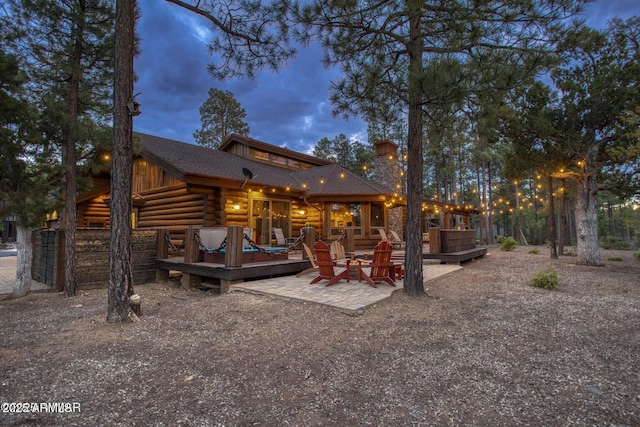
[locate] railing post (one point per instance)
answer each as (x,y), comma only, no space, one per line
(233,249)
(162,252)
(191,254)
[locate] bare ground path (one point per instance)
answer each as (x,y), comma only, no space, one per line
(485,349)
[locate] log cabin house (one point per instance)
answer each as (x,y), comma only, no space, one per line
(248,183)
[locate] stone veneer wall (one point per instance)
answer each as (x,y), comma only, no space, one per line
(387,172)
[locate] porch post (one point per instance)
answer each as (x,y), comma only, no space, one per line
(350,241)
(447,220)
(309,239)
(434,240)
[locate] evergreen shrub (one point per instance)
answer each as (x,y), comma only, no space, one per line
(545,279)
(508,244)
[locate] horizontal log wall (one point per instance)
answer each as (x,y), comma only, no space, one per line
(174,209)
(300,214)
(236,207)
(214,214)
(94,212)
(92,257)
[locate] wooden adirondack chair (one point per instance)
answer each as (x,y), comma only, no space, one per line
(397,239)
(383,235)
(279,235)
(314,266)
(381,268)
(327,266)
(337,251)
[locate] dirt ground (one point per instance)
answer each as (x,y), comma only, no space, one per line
(485,349)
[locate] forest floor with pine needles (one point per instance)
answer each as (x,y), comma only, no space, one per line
(484,348)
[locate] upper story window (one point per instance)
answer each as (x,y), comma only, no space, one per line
(261,155)
(280,160)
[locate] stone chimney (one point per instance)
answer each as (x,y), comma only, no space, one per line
(387,171)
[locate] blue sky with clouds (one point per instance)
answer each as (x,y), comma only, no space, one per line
(290,108)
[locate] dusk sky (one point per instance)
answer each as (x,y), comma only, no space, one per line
(290,108)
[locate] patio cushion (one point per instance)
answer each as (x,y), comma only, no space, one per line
(212,238)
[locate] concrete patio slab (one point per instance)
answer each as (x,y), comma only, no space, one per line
(8,277)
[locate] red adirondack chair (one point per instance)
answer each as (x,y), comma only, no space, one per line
(381,268)
(326,266)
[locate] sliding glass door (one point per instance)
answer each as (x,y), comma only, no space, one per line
(267,215)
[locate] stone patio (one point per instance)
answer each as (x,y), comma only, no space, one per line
(350,297)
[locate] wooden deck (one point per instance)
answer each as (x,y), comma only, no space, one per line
(194,272)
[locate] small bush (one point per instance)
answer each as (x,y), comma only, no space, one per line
(534,251)
(508,244)
(500,239)
(545,279)
(636,255)
(618,243)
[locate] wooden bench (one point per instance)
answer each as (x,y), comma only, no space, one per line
(453,246)
(458,257)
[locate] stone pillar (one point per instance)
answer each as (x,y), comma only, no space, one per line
(387,171)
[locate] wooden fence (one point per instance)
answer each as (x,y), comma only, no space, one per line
(92,256)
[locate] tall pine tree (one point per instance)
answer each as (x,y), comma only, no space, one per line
(221,115)
(405,49)
(68,46)
(27,173)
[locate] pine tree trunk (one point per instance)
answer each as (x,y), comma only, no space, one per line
(489,216)
(120,270)
(413,279)
(23,262)
(552,221)
(563,219)
(587,246)
(69,159)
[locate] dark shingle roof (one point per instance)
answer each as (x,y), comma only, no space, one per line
(335,180)
(183,160)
